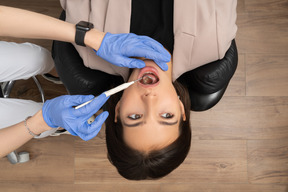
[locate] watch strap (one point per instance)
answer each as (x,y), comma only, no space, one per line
(79,37)
(81,28)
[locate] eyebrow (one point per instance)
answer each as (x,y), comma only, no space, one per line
(160,122)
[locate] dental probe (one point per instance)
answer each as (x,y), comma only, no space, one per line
(111,92)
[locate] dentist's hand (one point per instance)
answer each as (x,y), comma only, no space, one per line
(118,48)
(60,112)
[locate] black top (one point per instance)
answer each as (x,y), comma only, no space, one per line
(154,18)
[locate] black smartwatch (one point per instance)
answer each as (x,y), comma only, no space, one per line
(81,28)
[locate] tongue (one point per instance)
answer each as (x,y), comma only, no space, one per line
(149,79)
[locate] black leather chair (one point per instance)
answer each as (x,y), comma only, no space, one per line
(206,84)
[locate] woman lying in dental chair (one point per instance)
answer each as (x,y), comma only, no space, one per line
(147,132)
(20,61)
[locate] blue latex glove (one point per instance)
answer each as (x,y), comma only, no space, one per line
(59,112)
(117,48)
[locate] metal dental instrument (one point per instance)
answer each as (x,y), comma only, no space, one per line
(111,91)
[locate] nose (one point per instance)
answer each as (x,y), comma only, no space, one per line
(149,94)
(150,100)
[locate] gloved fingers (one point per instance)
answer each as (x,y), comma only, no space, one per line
(155,44)
(162,53)
(92,107)
(140,50)
(149,53)
(132,62)
(71,132)
(100,119)
(152,55)
(118,60)
(87,132)
(123,46)
(74,100)
(87,136)
(96,104)
(162,65)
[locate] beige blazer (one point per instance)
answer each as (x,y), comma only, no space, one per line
(203,30)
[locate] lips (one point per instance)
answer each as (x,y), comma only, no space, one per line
(149,76)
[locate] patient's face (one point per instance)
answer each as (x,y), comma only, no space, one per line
(150,110)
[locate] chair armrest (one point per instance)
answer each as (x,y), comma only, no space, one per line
(77,78)
(207,84)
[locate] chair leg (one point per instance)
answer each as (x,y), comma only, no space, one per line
(13,157)
(39,88)
(9,85)
(1,92)
(7,88)
(21,157)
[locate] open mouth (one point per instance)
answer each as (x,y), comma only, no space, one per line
(149,78)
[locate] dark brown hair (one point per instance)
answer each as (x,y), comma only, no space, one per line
(137,165)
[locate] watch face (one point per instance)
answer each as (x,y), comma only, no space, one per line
(85,26)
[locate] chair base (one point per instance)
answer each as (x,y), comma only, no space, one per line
(21,157)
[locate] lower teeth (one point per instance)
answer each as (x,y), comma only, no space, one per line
(147,80)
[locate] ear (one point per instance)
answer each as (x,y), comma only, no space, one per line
(182,110)
(117,111)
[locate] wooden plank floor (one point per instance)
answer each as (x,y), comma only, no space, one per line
(240,145)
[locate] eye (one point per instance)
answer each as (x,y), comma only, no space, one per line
(135,116)
(167,115)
